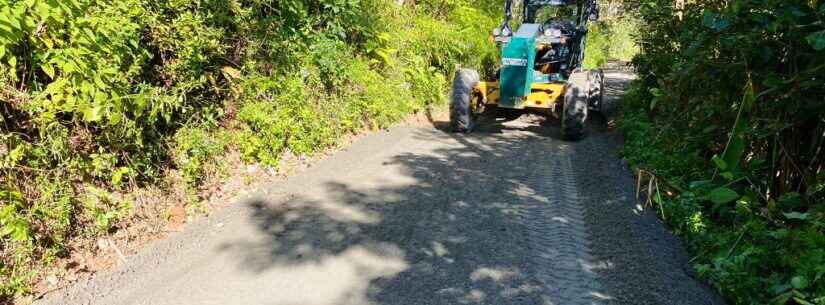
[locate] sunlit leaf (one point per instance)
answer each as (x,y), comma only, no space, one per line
(70,103)
(230,72)
(99,82)
(20,231)
(86,87)
(93,114)
(48,69)
(17,229)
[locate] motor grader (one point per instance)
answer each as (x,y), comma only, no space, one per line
(540,69)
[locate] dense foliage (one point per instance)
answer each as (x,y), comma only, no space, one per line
(728,113)
(101,97)
(611,38)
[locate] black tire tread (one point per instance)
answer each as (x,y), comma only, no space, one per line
(461,116)
(595,88)
(574,113)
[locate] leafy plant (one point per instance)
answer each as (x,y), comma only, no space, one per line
(101,98)
(727,110)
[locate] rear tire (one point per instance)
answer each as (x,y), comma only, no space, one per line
(574,113)
(462,118)
(595,87)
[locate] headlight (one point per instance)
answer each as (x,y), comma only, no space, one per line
(506,32)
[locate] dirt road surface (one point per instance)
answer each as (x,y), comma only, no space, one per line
(509,214)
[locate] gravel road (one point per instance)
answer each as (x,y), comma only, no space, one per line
(509,214)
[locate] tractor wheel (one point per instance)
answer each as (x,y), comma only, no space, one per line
(595,86)
(574,112)
(462,117)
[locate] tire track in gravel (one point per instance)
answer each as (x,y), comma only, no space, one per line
(636,258)
(556,225)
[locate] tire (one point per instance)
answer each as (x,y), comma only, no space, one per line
(462,117)
(595,89)
(574,113)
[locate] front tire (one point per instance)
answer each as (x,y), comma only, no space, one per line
(574,113)
(462,117)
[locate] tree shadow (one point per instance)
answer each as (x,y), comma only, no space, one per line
(445,220)
(447,228)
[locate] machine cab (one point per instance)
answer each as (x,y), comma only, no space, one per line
(547,47)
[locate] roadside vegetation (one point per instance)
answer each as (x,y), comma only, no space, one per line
(726,125)
(100,99)
(611,38)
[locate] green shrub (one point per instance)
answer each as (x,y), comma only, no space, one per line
(728,110)
(103,209)
(195,149)
(98,98)
(598,46)
(611,39)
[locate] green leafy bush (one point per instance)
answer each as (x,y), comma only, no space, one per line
(728,109)
(195,149)
(100,98)
(613,37)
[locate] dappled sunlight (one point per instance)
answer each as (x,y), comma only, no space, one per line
(348,213)
(333,279)
(497,275)
(448,224)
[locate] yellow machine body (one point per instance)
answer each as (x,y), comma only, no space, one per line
(542,95)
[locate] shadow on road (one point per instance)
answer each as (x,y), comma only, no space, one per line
(441,225)
(451,232)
